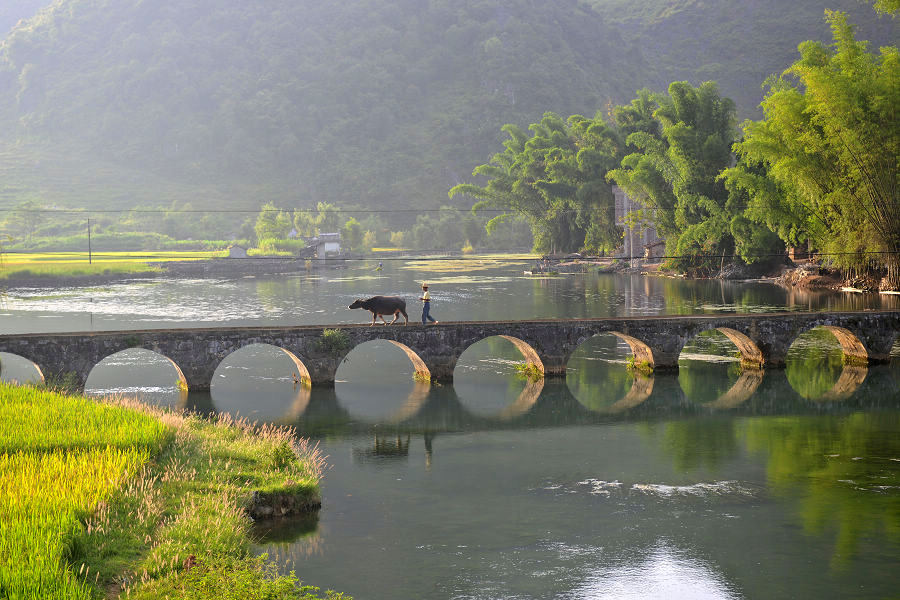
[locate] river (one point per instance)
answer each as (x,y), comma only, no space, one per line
(709,483)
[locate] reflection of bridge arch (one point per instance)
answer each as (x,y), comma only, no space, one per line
(642,379)
(641,388)
(527,398)
(847,383)
(740,391)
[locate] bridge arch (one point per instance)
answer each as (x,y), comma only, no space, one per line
(18,369)
(853,349)
(275,377)
(139,372)
(525,350)
(420,369)
(596,367)
(720,368)
(823,354)
(749,353)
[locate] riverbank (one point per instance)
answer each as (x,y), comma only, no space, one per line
(117,498)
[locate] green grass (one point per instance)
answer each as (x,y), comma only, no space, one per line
(60,458)
(75,264)
(99,498)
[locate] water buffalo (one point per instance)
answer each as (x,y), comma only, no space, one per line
(383,305)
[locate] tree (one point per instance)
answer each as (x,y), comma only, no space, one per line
(555,179)
(830,140)
(352,235)
(888,7)
(272,223)
(328,219)
(675,172)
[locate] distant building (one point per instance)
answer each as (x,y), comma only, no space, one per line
(325,244)
(237,252)
(640,238)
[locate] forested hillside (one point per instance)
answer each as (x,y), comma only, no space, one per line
(737,44)
(113,103)
(361,102)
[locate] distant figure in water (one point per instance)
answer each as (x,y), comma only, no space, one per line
(426,305)
(379,267)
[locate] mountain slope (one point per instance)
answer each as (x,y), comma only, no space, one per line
(379,102)
(364,102)
(737,44)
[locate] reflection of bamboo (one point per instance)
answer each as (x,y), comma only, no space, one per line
(641,388)
(525,400)
(742,389)
(851,378)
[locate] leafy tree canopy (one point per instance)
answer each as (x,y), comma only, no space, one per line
(830,140)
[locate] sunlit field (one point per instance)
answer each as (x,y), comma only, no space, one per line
(66,264)
(60,458)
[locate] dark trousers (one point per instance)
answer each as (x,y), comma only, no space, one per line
(425,314)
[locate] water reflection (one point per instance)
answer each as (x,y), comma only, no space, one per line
(659,572)
(814,366)
(260,382)
(499,291)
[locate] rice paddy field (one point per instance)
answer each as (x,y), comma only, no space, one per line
(72,264)
(106,498)
(60,458)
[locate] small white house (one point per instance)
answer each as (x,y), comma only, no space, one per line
(328,243)
(236,252)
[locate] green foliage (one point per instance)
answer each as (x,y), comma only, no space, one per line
(554,179)
(888,7)
(529,371)
(675,172)
(334,341)
(272,246)
(272,223)
(830,143)
(352,235)
(245,579)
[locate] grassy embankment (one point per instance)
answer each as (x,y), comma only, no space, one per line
(76,264)
(99,499)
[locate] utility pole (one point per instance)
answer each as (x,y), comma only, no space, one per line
(89,242)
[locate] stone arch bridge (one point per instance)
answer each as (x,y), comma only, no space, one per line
(656,342)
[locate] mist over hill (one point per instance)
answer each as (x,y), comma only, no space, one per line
(372,103)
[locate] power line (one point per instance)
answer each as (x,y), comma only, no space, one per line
(412,257)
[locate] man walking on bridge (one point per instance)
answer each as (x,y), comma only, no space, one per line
(426,305)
